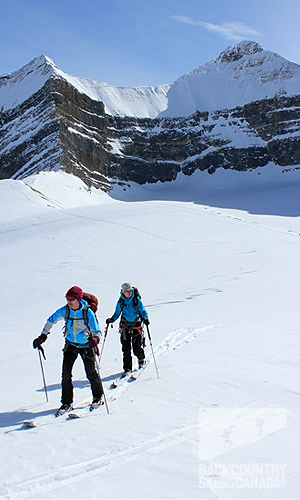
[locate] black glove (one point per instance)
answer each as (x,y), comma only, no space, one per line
(39,340)
(146,321)
(94,341)
(93,344)
(109,320)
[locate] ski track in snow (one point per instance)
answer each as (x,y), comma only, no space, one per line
(176,340)
(179,338)
(126,226)
(261,225)
(83,470)
(63,476)
(68,474)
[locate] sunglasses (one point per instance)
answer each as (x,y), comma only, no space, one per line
(70,300)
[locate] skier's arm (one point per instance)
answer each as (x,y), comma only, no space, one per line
(117,312)
(54,318)
(60,313)
(142,309)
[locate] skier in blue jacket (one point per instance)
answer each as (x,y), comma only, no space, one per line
(133,314)
(82,337)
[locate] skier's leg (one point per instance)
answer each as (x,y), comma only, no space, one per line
(66,384)
(88,358)
(137,348)
(126,348)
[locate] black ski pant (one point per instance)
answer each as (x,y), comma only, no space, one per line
(131,337)
(88,358)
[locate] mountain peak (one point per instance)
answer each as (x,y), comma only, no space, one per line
(18,86)
(239,50)
(43,61)
(39,65)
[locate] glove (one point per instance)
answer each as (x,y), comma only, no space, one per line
(93,344)
(39,340)
(109,320)
(94,341)
(146,321)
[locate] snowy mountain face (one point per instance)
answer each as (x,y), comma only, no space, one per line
(146,102)
(240,111)
(243,73)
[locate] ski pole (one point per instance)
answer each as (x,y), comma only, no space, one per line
(105,335)
(41,350)
(148,331)
(98,369)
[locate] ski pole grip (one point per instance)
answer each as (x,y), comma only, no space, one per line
(42,351)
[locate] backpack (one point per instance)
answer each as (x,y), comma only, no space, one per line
(92,301)
(92,304)
(136,295)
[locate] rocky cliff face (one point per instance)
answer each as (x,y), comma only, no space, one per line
(246,137)
(63,124)
(57,127)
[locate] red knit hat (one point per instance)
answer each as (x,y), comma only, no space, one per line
(75,293)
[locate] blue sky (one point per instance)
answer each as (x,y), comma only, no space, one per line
(141,42)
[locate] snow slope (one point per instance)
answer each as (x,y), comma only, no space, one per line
(242,73)
(221,286)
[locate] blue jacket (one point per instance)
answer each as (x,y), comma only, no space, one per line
(130,312)
(77,332)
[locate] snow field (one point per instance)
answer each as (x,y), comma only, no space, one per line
(221,287)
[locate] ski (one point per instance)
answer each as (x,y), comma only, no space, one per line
(123,377)
(43,420)
(35,422)
(128,377)
(136,373)
(84,412)
(46,419)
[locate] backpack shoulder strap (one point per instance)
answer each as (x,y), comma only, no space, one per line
(85,315)
(122,303)
(136,296)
